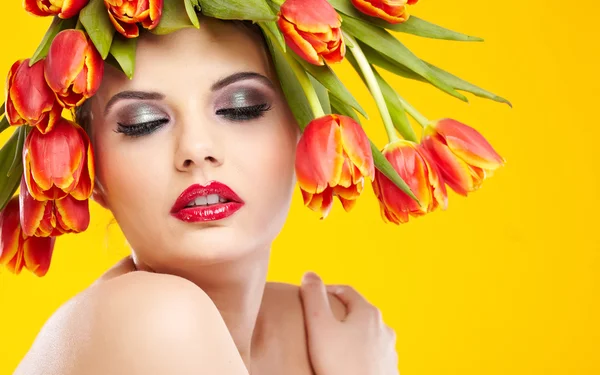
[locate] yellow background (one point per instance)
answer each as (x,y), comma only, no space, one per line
(504,282)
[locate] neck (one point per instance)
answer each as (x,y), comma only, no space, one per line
(237,289)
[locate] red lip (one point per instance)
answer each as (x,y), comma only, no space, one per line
(206,213)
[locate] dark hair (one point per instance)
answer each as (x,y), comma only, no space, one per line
(82,113)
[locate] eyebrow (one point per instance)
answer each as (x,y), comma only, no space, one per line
(240,77)
(143,95)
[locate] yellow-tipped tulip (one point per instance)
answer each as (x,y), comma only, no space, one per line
(416,168)
(464,157)
(73,67)
(311,28)
(392,11)
(29,100)
(61,8)
(333,158)
(126,14)
(52,217)
(59,163)
(18,250)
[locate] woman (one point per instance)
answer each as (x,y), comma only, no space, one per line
(194,155)
(204,115)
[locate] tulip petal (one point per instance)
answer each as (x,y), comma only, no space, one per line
(29,94)
(155,14)
(357,146)
(455,172)
(319,158)
(128,30)
(57,158)
(71,8)
(31,211)
(468,144)
(37,254)
(65,60)
(31,7)
(72,215)
(295,41)
(10,231)
(15,265)
(315,16)
(393,13)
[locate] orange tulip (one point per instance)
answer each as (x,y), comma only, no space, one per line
(59,163)
(311,28)
(62,8)
(463,156)
(419,172)
(52,217)
(73,68)
(125,14)
(18,250)
(29,100)
(333,158)
(392,11)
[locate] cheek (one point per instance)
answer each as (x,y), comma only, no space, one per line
(129,171)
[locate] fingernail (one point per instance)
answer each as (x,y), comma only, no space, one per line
(310,278)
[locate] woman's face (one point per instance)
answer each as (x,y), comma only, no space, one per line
(203,110)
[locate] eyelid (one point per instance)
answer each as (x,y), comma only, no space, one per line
(140,113)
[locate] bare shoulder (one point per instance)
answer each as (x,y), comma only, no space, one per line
(288,296)
(135,323)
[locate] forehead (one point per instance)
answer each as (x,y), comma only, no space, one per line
(191,58)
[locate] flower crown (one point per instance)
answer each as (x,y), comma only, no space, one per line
(51,159)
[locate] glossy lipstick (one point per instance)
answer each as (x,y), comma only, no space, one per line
(186,208)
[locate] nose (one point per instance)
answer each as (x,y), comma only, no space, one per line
(197,147)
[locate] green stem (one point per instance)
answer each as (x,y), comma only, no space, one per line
(303,79)
(371,81)
(412,111)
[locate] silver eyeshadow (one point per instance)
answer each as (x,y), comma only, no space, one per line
(138,113)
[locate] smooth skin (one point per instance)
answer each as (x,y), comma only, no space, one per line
(193,297)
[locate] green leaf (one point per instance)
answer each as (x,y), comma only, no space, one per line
(124,51)
(463,85)
(2,109)
(255,10)
(328,78)
(386,63)
(323,95)
(413,25)
(290,85)
(174,17)
(190,7)
(393,104)
(342,108)
(426,29)
(56,26)
(4,124)
(274,30)
(9,184)
(391,47)
(384,166)
(94,17)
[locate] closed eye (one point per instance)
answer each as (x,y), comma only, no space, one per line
(244,113)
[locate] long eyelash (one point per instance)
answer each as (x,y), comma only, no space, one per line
(244,113)
(138,130)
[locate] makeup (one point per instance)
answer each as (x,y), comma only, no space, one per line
(203,203)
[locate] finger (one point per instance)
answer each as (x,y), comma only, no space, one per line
(349,297)
(315,302)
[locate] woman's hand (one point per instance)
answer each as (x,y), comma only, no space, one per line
(361,344)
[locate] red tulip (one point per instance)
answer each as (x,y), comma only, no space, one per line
(62,8)
(59,163)
(29,100)
(126,14)
(52,217)
(73,67)
(311,28)
(463,156)
(18,250)
(333,158)
(392,11)
(419,172)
